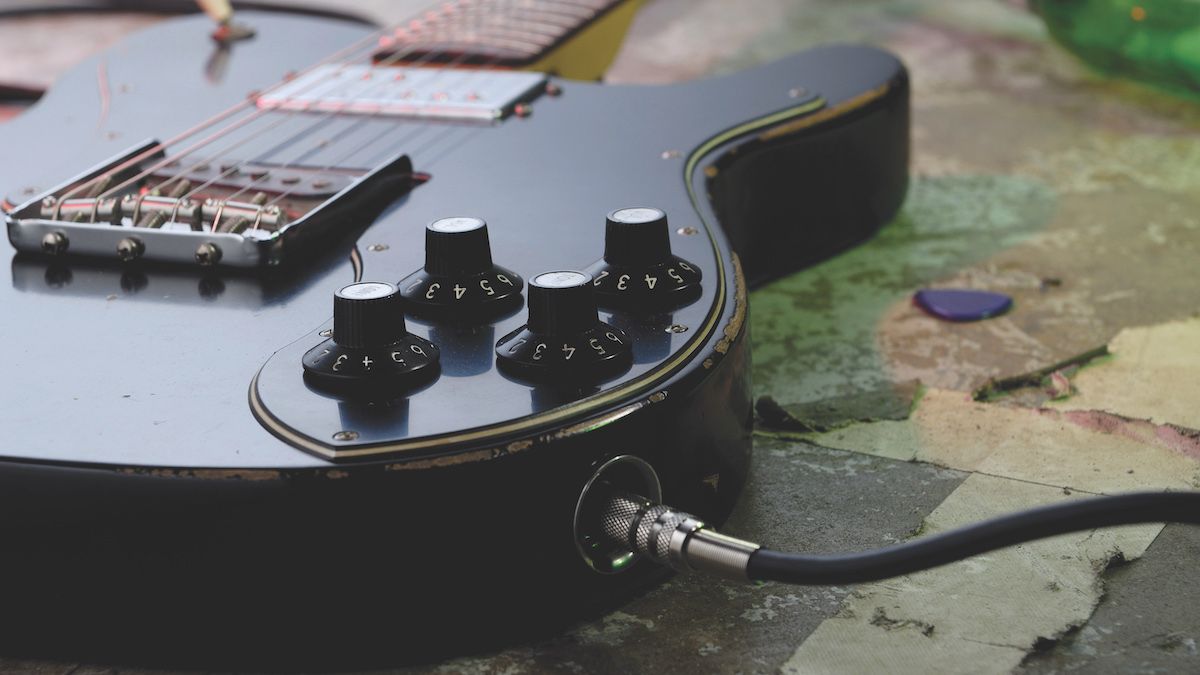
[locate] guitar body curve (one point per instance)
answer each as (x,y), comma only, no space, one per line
(166,457)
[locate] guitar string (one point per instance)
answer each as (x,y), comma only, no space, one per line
(453,5)
(443,132)
(395,57)
(219,117)
(368,42)
(449,9)
(236,167)
(415,130)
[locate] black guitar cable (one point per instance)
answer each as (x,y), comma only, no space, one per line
(679,540)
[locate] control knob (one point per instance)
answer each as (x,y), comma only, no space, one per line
(563,338)
(459,277)
(638,271)
(370,346)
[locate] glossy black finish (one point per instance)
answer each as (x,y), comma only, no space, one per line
(140,446)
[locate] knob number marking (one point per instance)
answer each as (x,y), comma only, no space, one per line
(599,277)
(337,365)
(538,350)
(651,281)
(622,282)
(487,287)
(432,289)
(458,292)
(597,346)
(674,275)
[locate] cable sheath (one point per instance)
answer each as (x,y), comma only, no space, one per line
(989,535)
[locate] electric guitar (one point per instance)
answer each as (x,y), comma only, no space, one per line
(314,354)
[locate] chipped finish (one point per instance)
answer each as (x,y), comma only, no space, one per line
(734,327)
(205,474)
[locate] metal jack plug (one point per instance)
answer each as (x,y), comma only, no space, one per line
(668,536)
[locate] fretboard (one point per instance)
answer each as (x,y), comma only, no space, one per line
(494,33)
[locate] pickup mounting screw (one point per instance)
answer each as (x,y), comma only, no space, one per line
(677,328)
(375,248)
(208,254)
(130,248)
(797,92)
(687,231)
(55,243)
(326,333)
(670,154)
(345,436)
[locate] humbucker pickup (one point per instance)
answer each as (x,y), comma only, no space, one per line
(421,93)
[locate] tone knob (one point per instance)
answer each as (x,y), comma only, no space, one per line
(638,271)
(459,278)
(371,348)
(563,338)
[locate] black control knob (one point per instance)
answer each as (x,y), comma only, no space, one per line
(370,348)
(638,271)
(564,338)
(459,278)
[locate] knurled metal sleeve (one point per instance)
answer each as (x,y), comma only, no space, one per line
(671,537)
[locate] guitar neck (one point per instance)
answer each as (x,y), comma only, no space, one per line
(502,33)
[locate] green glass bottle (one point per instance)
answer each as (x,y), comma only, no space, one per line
(1153,41)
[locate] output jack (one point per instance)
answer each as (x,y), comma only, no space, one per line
(624,472)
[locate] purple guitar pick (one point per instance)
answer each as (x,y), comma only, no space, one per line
(960,304)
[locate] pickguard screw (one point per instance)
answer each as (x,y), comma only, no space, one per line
(677,328)
(130,248)
(553,89)
(377,247)
(326,333)
(670,154)
(55,243)
(345,435)
(797,92)
(208,254)
(687,231)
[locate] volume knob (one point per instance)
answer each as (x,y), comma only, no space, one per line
(563,338)
(638,271)
(459,277)
(367,315)
(371,348)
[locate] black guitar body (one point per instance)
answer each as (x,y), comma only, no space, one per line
(173,487)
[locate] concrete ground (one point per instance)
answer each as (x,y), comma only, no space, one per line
(1035,177)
